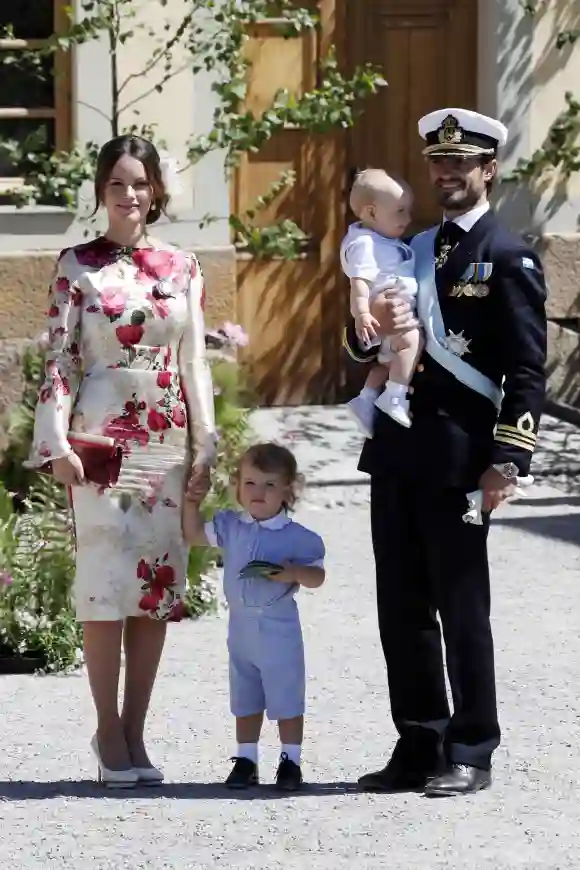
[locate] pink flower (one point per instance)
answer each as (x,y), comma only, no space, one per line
(112,301)
(5,578)
(156,265)
(178,416)
(234,334)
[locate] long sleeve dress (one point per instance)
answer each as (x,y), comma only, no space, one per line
(126,359)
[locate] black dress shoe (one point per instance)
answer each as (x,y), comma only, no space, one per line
(409,769)
(288,775)
(244,774)
(458,779)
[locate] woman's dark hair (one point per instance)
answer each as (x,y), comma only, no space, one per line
(272,458)
(143,150)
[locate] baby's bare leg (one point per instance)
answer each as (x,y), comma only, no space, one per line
(407,349)
(377,377)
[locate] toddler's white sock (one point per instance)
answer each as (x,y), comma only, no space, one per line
(369,394)
(293,751)
(248,750)
(394,389)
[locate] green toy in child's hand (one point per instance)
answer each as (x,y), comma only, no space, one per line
(260,568)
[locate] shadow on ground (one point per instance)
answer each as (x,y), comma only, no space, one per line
(26,790)
(559,527)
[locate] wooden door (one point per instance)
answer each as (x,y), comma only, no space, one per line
(428,52)
(289,308)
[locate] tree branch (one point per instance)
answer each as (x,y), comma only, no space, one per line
(95,109)
(155,88)
(162,52)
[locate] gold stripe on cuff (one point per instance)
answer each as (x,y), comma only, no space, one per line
(514,442)
(351,353)
(505,429)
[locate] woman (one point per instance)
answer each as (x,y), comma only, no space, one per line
(130,310)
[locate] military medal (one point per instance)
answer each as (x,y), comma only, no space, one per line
(443,256)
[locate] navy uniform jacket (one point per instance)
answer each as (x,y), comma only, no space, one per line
(456,432)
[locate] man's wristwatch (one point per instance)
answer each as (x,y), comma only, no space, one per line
(509,470)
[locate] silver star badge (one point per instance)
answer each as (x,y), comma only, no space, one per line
(457,343)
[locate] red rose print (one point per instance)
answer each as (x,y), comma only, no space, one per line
(62,285)
(77,297)
(164,380)
(93,309)
(157,422)
(177,612)
(130,334)
(164,576)
(143,571)
(44,449)
(65,387)
(178,416)
(202,298)
(45,394)
(149,602)
(53,311)
(112,301)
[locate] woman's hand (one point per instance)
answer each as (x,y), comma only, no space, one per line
(68,470)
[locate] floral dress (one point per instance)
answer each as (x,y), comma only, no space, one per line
(126,359)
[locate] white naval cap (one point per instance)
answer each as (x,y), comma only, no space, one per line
(461,131)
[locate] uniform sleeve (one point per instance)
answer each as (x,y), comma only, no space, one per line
(62,368)
(195,373)
(351,345)
(522,332)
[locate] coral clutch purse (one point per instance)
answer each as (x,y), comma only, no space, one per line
(101,458)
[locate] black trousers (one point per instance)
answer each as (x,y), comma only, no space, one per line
(429,561)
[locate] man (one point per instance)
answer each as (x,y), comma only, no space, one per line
(475,401)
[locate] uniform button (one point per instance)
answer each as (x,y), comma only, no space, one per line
(420,368)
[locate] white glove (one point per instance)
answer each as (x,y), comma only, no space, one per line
(475,500)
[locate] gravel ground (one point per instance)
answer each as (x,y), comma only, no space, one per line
(54,815)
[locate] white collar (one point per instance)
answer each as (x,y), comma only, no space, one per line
(468,220)
(277,522)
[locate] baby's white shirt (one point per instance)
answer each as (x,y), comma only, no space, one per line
(377,259)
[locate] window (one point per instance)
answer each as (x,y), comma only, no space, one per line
(34,96)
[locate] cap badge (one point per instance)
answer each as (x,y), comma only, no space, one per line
(450,132)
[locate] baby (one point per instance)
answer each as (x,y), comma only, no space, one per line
(374,258)
(267,558)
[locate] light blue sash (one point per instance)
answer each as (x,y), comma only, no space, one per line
(429,312)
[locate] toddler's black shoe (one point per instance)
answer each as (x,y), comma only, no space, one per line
(244,774)
(288,775)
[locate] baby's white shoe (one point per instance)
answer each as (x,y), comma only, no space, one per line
(363,413)
(397,407)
